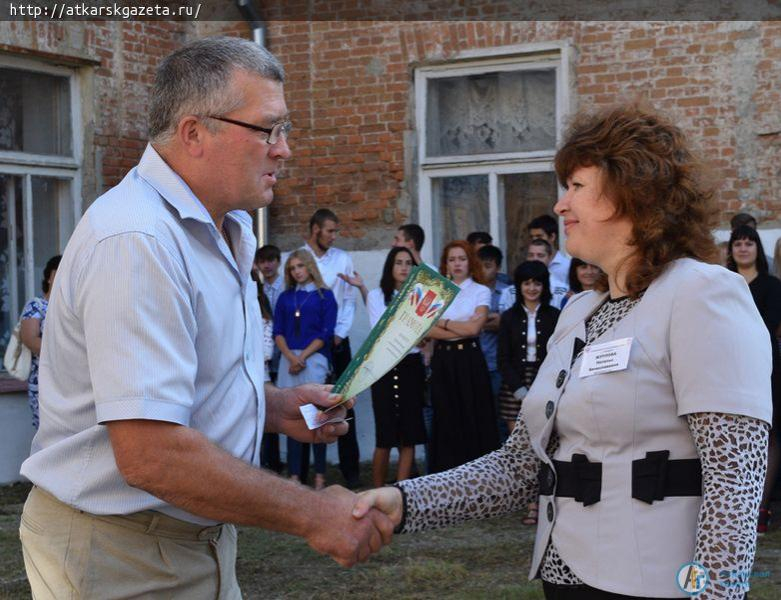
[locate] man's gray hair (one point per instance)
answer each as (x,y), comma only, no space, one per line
(195,79)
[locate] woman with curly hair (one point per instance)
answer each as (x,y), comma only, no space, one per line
(652,384)
(464,425)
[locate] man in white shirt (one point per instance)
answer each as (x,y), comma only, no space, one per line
(546,227)
(152,394)
(542,251)
(323,230)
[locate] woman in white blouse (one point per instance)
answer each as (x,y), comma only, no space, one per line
(464,424)
(397,398)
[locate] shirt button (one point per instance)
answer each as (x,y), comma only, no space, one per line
(395,387)
(560,378)
(549,409)
(550,511)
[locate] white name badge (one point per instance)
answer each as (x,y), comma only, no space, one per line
(605,358)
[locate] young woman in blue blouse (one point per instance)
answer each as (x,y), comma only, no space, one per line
(304,321)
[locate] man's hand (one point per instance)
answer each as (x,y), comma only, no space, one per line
(336,531)
(354,280)
(284,416)
(385,499)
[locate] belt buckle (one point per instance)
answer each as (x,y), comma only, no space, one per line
(460,346)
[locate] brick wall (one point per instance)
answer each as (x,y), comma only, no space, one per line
(117,62)
(351,94)
(349,87)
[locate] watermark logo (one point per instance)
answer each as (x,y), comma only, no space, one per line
(692,578)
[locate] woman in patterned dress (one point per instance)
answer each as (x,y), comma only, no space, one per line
(33,317)
(651,386)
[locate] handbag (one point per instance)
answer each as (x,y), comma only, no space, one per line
(18,357)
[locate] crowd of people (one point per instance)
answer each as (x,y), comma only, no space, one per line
(460,394)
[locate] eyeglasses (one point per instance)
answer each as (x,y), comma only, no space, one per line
(281,129)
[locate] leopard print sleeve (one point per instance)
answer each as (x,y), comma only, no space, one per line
(733,453)
(500,482)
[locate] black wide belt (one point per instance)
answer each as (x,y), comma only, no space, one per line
(654,477)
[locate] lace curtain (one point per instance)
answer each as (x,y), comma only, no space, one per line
(491,113)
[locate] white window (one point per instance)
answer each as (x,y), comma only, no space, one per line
(487,134)
(40,180)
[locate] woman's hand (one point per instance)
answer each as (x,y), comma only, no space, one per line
(386,499)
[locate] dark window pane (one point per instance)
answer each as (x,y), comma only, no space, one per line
(460,206)
(34,113)
(526,195)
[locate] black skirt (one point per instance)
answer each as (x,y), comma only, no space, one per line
(464,425)
(397,400)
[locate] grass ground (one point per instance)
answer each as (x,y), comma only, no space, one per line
(478,560)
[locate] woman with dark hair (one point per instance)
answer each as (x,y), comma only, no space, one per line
(31,332)
(464,425)
(397,398)
(745,255)
(524,331)
(582,276)
(651,385)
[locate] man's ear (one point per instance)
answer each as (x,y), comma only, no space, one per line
(191,134)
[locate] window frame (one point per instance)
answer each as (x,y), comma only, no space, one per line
(523,57)
(26,165)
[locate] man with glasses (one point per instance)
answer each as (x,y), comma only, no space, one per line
(153,403)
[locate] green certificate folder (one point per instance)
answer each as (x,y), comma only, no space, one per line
(416,308)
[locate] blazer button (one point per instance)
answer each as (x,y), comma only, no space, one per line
(550,511)
(560,378)
(550,479)
(549,409)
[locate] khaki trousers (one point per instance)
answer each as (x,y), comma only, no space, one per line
(72,554)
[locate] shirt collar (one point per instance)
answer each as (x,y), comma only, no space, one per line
(156,172)
(325,256)
(307,287)
(528,310)
(466,283)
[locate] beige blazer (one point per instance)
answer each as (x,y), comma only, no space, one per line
(698,345)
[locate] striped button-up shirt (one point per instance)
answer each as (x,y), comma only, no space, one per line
(151,317)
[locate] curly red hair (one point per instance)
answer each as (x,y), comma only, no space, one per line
(475,266)
(652,177)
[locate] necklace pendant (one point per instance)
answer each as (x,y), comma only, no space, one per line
(298,313)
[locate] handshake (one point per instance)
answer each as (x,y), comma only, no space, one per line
(351,527)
